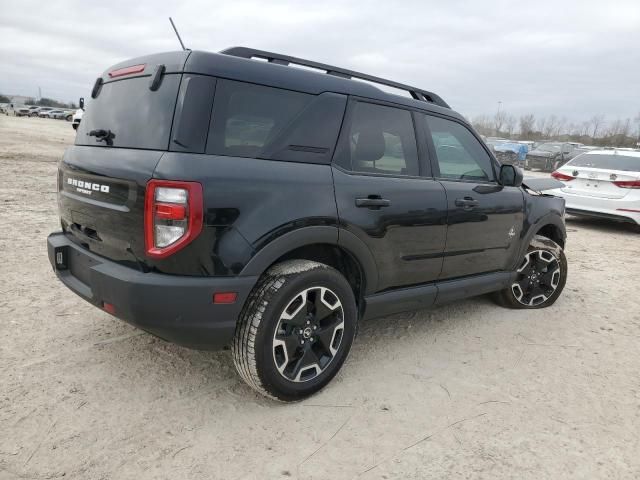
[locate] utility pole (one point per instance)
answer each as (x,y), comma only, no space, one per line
(39,93)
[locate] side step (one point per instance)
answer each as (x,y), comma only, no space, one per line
(425,296)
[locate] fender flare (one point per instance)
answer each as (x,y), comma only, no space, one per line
(301,237)
(547,219)
(359,250)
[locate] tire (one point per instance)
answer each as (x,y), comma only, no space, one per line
(276,349)
(537,284)
(548,165)
(552,164)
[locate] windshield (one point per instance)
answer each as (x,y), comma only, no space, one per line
(549,147)
(624,163)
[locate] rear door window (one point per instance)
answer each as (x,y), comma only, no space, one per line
(459,155)
(247,118)
(136,116)
(379,139)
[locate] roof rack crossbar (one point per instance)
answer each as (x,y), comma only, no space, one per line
(279,59)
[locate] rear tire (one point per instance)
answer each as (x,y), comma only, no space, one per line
(542,275)
(296,330)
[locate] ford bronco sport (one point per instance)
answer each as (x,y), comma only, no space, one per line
(232,198)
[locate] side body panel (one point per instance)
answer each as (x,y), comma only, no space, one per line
(248,204)
(484,238)
(406,238)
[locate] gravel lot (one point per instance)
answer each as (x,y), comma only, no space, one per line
(469,390)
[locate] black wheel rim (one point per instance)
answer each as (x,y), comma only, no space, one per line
(309,334)
(538,278)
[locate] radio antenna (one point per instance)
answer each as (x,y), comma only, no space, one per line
(177,34)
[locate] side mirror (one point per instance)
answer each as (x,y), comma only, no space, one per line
(510,176)
(81,103)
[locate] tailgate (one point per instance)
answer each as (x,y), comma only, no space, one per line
(594,182)
(124,132)
(101,199)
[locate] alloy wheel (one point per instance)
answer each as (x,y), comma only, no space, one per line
(309,334)
(538,278)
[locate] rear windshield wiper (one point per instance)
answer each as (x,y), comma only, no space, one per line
(102,135)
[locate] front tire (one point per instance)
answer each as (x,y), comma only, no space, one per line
(295,330)
(542,275)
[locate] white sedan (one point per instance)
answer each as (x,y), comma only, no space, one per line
(602,183)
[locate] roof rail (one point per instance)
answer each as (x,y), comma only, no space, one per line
(279,59)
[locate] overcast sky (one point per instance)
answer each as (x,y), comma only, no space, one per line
(570,58)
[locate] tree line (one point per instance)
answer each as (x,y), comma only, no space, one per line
(594,131)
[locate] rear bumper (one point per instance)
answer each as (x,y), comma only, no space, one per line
(178,309)
(619,209)
(609,216)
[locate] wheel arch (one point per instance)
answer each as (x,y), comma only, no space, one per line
(321,244)
(552,232)
(550,226)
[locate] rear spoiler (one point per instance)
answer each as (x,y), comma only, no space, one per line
(540,184)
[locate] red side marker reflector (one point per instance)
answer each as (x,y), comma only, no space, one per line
(109,308)
(224,297)
(628,210)
(120,72)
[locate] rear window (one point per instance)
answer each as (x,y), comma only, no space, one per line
(247,118)
(380,139)
(625,163)
(136,116)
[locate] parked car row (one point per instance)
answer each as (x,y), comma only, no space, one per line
(36,111)
(544,155)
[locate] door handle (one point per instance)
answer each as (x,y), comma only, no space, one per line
(374,202)
(466,202)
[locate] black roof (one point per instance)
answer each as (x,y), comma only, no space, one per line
(235,65)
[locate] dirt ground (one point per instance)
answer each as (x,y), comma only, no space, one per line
(468,390)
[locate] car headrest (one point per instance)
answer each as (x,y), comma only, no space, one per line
(370,146)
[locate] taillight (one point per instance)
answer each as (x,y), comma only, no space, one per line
(561,176)
(172,216)
(627,184)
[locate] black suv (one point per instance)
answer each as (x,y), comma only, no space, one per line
(551,155)
(238,199)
